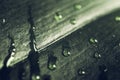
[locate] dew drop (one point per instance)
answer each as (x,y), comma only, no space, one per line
(3,21)
(33,28)
(113,36)
(117,18)
(12,54)
(93,40)
(35,77)
(118,44)
(81,72)
(73,21)
(66,52)
(14,50)
(23,74)
(97,55)
(52,62)
(103,68)
(58,16)
(13,44)
(77,6)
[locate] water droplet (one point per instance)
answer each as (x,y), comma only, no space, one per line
(81,72)
(12,54)
(118,44)
(33,28)
(66,52)
(73,21)
(113,36)
(13,44)
(52,62)
(3,21)
(117,18)
(23,74)
(35,77)
(103,68)
(97,55)
(77,6)
(58,16)
(93,40)
(14,50)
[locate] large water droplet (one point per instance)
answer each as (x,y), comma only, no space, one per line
(77,6)
(58,16)
(52,62)
(117,18)
(73,21)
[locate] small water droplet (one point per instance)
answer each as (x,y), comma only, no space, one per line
(77,6)
(66,52)
(117,18)
(73,21)
(93,40)
(35,77)
(12,54)
(58,16)
(81,72)
(52,62)
(97,55)
(3,21)
(23,74)
(33,28)
(113,36)
(118,44)
(14,50)
(103,68)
